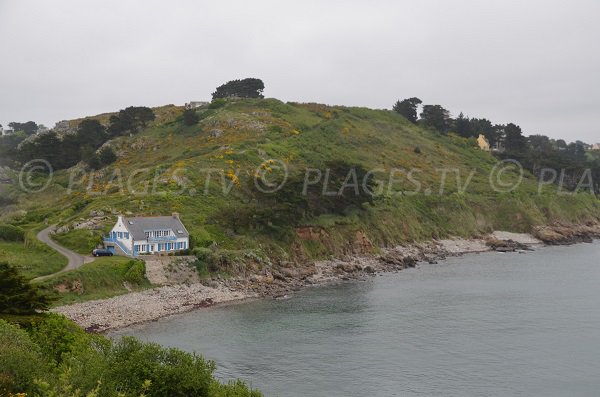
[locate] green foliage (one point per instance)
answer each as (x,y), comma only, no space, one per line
(99,159)
(58,359)
(100,279)
(408,108)
(91,133)
(21,361)
(11,233)
(246,88)
(130,120)
(436,117)
(56,337)
(17,295)
(190,117)
(136,273)
(217,103)
(106,156)
(29,128)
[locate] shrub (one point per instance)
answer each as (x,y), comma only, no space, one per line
(190,117)
(217,103)
(136,272)
(11,233)
(57,336)
(417,150)
(20,360)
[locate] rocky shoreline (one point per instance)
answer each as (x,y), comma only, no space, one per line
(139,307)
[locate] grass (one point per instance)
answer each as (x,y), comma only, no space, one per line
(301,135)
(33,260)
(104,278)
(82,241)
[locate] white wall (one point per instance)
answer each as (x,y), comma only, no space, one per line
(120,227)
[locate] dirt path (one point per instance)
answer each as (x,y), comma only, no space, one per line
(75,260)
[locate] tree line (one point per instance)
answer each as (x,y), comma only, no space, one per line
(86,143)
(535,152)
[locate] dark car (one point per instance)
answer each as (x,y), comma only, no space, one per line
(102,252)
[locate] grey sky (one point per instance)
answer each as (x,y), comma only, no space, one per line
(535,63)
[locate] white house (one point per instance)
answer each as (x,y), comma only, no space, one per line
(196,104)
(6,131)
(147,235)
(596,146)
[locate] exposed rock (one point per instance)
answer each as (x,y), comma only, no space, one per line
(567,234)
(62,229)
(216,133)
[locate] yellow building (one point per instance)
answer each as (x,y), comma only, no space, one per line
(483,143)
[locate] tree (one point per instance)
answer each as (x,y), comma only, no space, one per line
(408,108)
(45,146)
(462,126)
(561,144)
(540,144)
(17,295)
(129,120)
(435,116)
(576,152)
(190,117)
(28,128)
(246,88)
(90,132)
(107,156)
(89,156)
(514,141)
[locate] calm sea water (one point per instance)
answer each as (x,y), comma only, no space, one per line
(480,325)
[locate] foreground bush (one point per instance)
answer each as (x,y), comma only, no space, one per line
(56,358)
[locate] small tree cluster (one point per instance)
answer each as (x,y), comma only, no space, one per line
(408,108)
(246,88)
(29,128)
(130,120)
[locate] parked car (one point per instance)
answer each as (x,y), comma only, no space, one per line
(101,252)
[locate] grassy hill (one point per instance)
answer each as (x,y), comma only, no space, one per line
(165,168)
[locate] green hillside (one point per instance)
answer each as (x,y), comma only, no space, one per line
(237,140)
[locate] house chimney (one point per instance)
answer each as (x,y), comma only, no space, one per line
(176,215)
(120,218)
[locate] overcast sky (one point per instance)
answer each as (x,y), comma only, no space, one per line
(535,63)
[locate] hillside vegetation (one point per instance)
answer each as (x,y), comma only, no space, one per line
(206,172)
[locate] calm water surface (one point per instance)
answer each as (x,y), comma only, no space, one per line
(481,325)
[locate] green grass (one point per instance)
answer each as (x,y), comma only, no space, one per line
(80,240)
(302,135)
(103,278)
(33,260)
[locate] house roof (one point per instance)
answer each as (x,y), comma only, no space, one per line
(139,225)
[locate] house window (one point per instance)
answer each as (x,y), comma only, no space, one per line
(127,235)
